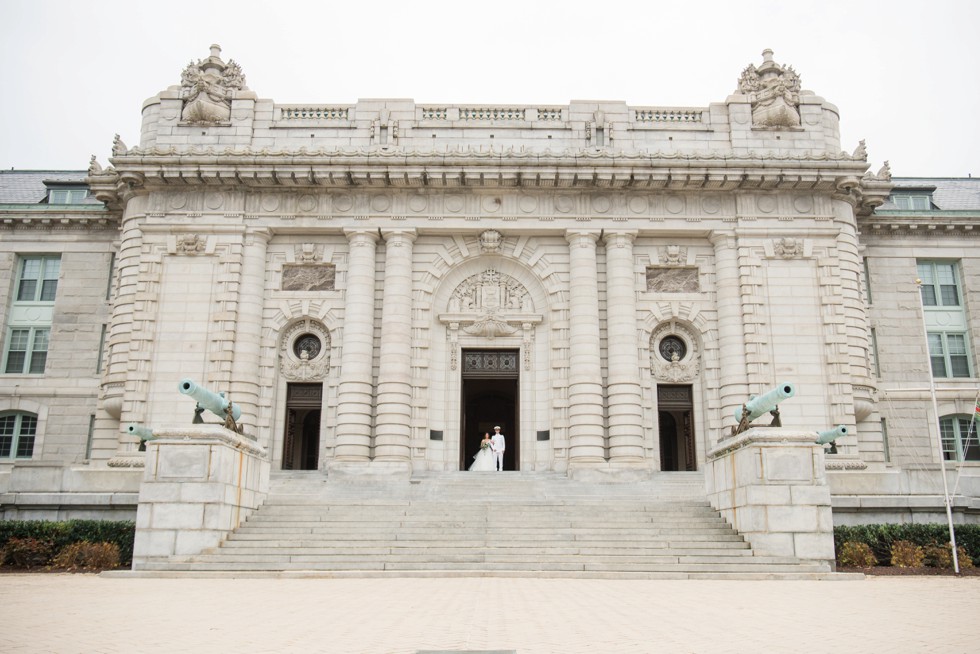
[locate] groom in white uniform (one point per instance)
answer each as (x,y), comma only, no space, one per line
(497,446)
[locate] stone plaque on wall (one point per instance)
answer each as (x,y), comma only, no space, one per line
(308,277)
(673,280)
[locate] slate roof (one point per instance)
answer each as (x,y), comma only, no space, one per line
(950,194)
(27,186)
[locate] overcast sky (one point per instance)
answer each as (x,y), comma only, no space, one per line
(904,74)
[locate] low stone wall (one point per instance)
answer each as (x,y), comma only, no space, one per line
(770,484)
(199,484)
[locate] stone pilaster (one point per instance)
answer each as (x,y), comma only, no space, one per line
(585,430)
(394,414)
(355,395)
(624,401)
(248,328)
(733,375)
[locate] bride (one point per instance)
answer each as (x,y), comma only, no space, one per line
(483,460)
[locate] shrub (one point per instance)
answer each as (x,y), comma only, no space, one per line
(880,537)
(941,556)
(27,553)
(856,555)
(122,533)
(87,556)
(907,555)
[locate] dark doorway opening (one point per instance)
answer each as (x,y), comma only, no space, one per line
(676,420)
(490,398)
(301,444)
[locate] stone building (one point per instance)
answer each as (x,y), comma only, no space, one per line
(376,285)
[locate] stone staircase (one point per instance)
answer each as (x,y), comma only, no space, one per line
(490,524)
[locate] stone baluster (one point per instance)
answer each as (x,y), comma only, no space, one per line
(586,437)
(244,388)
(733,388)
(355,395)
(624,399)
(394,415)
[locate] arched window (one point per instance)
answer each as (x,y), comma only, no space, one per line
(17,432)
(959,438)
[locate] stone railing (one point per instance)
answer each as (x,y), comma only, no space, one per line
(299,112)
(491,113)
(435,113)
(550,115)
(673,115)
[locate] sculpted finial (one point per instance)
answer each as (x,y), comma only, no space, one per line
(861,152)
(207,88)
(774,92)
(118,147)
(93,166)
(885,173)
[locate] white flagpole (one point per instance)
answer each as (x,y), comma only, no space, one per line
(939,430)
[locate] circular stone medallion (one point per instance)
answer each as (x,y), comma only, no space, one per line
(343,202)
(674,204)
(601,203)
(528,203)
(454,203)
(563,203)
(214,200)
(711,204)
(417,203)
(270,202)
(178,200)
(766,204)
(491,204)
(803,204)
(380,202)
(639,204)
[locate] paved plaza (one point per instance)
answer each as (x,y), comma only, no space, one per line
(89,613)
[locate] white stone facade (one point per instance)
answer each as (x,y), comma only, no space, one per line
(629,276)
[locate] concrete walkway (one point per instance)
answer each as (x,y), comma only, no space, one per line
(88,613)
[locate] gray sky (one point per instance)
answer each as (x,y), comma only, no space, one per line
(903,73)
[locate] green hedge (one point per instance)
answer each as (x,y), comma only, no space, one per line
(73,531)
(880,537)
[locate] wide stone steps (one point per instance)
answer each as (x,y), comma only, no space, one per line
(506,524)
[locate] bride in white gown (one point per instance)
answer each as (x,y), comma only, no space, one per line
(483,460)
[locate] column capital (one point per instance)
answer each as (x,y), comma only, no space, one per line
(361,236)
(619,238)
(258,234)
(717,238)
(393,236)
(582,237)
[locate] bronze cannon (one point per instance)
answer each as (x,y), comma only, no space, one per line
(759,405)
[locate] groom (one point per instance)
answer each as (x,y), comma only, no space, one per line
(497,446)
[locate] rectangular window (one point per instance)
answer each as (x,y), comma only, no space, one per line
(884,440)
(112,270)
(875,368)
(948,354)
(17,434)
(867,282)
(959,438)
(912,201)
(67,195)
(38,279)
(940,285)
(98,361)
(27,351)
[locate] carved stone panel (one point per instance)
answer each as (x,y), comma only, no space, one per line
(674,353)
(673,280)
(308,277)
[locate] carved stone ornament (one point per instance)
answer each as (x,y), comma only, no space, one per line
(304,351)
(490,241)
(309,253)
(684,363)
(788,247)
(487,305)
(673,255)
(207,88)
(191,243)
(774,92)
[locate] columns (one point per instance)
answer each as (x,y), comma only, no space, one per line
(393,426)
(585,368)
(624,400)
(733,375)
(355,393)
(244,387)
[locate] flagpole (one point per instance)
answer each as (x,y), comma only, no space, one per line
(939,429)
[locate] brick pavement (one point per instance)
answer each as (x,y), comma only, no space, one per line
(87,613)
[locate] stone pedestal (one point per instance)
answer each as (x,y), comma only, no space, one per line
(770,484)
(199,483)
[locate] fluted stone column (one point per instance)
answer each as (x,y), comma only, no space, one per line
(394,415)
(733,376)
(248,328)
(355,395)
(586,437)
(624,400)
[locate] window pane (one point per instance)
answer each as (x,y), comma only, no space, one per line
(920,202)
(959,366)
(39,354)
(948,437)
(17,351)
(49,288)
(925,273)
(928,295)
(951,298)
(27,290)
(31,269)
(25,442)
(956,344)
(51,268)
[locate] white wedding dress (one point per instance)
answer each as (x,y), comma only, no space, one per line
(483,461)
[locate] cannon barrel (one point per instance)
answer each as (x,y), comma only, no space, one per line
(144,433)
(213,402)
(830,435)
(761,404)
